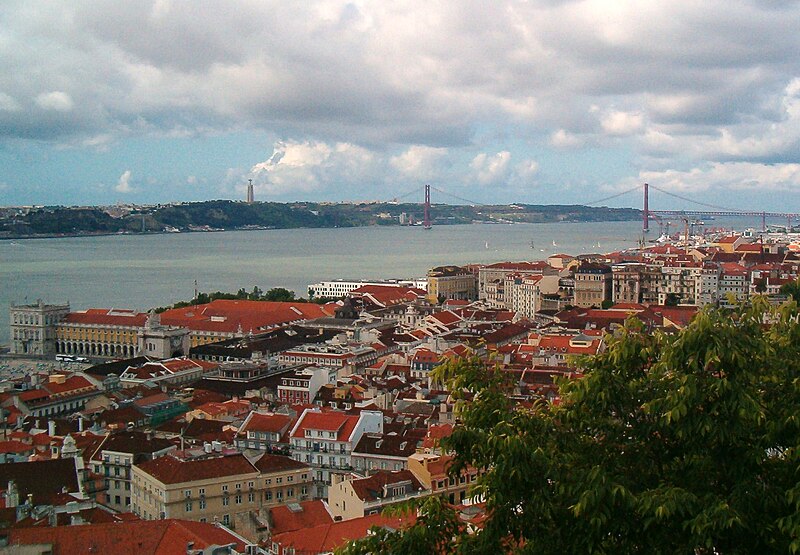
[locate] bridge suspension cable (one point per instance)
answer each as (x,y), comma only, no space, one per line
(614,196)
(408,194)
(687,199)
(462,199)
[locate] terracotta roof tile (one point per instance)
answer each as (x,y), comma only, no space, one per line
(171,470)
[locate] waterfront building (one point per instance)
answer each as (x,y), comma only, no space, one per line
(592,284)
(339,288)
(100,332)
(225,319)
(33,328)
(120,333)
(155,340)
(451,283)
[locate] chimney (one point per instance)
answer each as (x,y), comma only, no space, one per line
(51,428)
(80,424)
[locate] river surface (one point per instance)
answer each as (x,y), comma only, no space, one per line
(146,271)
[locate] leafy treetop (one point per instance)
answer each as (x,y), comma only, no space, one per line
(684,443)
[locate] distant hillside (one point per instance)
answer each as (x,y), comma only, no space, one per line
(226,214)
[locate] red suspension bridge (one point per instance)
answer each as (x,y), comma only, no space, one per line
(705,210)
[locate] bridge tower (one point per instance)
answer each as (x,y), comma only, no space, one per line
(646,210)
(426,223)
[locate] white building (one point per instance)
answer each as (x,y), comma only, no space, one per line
(325,440)
(341,288)
(33,328)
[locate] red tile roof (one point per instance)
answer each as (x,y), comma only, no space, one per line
(171,470)
(311,514)
(133,537)
(107,317)
(326,421)
(228,316)
(327,537)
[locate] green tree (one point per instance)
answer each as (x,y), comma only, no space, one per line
(684,443)
(792,289)
(279,294)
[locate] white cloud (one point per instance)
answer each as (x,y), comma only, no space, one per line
(8,104)
(58,101)
(732,176)
(620,124)
(564,139)
(302,166)
(488,169)
(418,85)
(419,161)
(191,180)
(526,169)
(124,183)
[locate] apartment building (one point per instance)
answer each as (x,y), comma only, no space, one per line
(325,440)
(451,283)
(215,486)
(593,284)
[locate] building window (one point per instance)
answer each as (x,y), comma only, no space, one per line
(251,497)
(238,498)
(188,506)
(226,519)
(226,501)
(202,504)
(268,496)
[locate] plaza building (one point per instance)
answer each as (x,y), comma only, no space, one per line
(33,328)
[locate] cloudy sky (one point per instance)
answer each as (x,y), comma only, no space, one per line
(545,101)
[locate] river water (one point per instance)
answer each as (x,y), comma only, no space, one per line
(145,271)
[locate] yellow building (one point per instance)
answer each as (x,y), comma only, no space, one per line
(451,282)
(100,332)
(216,486)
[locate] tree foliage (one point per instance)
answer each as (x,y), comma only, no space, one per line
(792,289)
(684,443)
